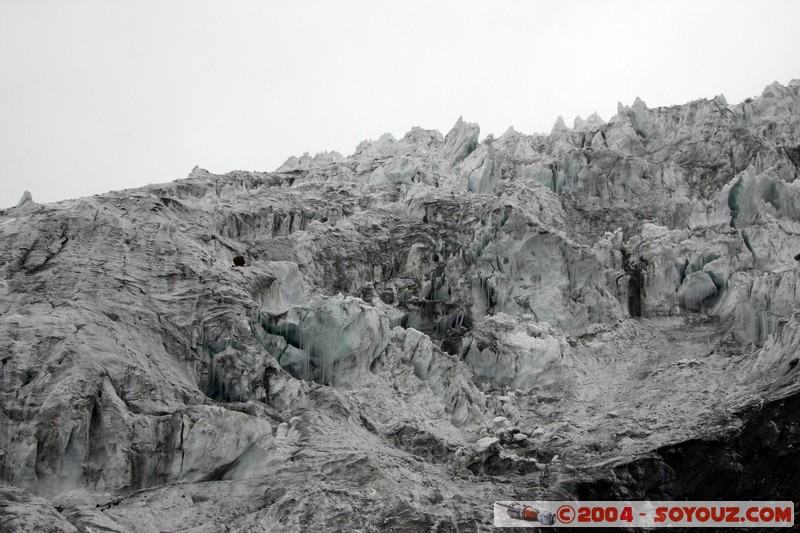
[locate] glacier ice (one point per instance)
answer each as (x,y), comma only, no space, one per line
(426,323)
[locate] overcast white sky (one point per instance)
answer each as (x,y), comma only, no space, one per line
(97,95)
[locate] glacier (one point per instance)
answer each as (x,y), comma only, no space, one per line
(423,327)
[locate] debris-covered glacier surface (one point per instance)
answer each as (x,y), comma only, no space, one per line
(423,327)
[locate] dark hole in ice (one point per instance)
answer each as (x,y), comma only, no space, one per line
(238,261)
(635,294)
(635,284)
(797,257)
(435,257)
(452,345)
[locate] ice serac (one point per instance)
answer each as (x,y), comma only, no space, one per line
(328,340)
(460,141)
(508,352)
(430,323)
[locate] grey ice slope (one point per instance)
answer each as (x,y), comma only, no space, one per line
(423,327)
